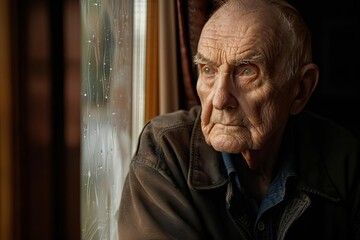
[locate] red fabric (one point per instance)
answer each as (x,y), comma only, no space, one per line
(192,15)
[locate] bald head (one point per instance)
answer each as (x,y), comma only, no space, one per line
(274,26)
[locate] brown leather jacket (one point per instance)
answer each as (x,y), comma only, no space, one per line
(177,187)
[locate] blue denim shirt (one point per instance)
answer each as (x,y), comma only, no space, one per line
(274,195)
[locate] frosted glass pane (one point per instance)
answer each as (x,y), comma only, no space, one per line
(107,48)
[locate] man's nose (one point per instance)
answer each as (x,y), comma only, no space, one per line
(224,93)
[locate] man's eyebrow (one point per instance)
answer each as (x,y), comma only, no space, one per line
(200,59)
(248,60)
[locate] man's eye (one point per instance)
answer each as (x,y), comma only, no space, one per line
(248,72)
(208,70)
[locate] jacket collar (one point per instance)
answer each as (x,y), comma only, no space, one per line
(206,165)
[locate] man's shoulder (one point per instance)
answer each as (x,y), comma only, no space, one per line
(177,126)
(175,119)
(166,134)
(327,154)
(321,141)
(319,127)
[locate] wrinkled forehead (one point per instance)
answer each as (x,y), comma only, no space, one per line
(240,16)
(240,27)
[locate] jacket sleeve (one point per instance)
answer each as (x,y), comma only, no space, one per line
(155,203)
(152,208)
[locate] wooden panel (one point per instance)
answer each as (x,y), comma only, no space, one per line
(152,61)
(46,125)
(6,184)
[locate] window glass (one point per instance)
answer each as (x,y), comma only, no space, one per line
(112,43)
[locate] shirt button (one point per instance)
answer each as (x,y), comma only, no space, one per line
(261,226)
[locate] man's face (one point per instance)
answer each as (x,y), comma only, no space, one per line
(244,106)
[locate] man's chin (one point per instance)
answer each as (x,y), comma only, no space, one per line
(225,143)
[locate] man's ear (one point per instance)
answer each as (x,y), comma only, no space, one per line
(307,81)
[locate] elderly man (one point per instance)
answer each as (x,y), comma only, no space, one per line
(250,162)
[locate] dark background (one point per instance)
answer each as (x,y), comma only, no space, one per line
(335,28)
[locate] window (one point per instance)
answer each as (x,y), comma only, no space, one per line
(112,93)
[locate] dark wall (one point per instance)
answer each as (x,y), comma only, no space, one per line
(335,27)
